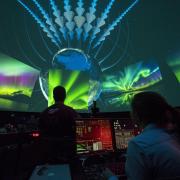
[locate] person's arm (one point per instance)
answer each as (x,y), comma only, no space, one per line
(136,165)
(109,175)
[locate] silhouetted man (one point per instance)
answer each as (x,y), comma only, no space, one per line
(57,123)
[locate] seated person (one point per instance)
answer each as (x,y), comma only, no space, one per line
(57,123)
(155,153)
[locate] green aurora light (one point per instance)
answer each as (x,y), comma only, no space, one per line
(7,104)
(131,80)
(17,81)
(175,65)
(10,90)
(127,80)
(76,84)
(14,67)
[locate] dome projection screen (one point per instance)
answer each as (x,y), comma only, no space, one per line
(104,51)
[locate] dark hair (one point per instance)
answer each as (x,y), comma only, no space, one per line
(151,107)
(59,93)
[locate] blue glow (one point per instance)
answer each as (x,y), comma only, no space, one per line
(101,21)
(68,14)
(42,25)
(79,19)
(59,19)
(55,9)
(90,17)
(83,23)
(48,20)
(67,7)
(114,24)
(71,60)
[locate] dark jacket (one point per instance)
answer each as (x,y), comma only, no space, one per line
(58,120)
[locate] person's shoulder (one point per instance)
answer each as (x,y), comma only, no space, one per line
(68,107)
(141,142)
(151,137)
(49,109)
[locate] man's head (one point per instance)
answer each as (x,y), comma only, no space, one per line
(59,94)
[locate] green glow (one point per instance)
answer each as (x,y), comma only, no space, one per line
(11,90)
(16,83)
(175,65)
(80,147)
(74,76)
(126,80)
(76,85)
(12,105)
(54,79)
(123,99)
(143,73)
(131,80)
(13,67)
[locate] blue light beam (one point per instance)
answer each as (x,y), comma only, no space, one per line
(48,20)
(68,14)
(59,20)
(114,24)
(90,17)
(101,21)
(79,19)
(39,21)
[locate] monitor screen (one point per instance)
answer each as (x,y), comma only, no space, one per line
(93,135)
(124,130)
(100,50)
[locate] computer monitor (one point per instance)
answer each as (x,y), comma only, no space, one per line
(124,130)
(93,134)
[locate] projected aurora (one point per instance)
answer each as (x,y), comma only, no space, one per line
(174,63)
(16,83)
(120,88)
(76,84)
(77,36)
(104,39)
